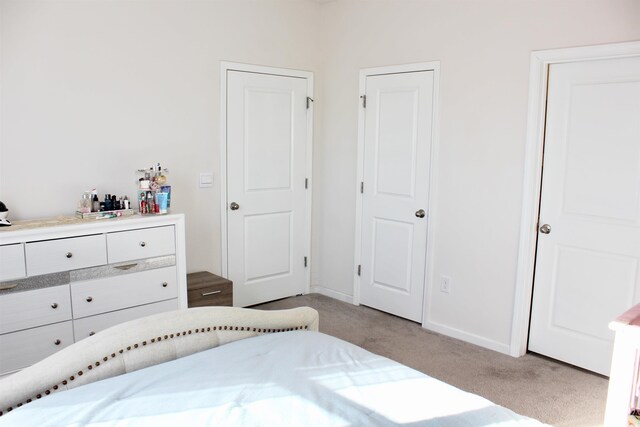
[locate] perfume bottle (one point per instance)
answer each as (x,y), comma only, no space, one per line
(86,202)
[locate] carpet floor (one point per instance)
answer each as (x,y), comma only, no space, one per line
(532,385)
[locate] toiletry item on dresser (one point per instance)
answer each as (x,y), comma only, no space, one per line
(150,202)
(95,203)
(89,207)
(161,206)
(167,189)
(154,196)
(86,202)
(142,202)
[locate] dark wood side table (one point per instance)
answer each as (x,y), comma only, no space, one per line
(204,289)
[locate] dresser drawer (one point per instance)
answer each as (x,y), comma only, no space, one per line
(93,297)
(83,328)
(51,256)
(139,244)
(24,348)
(22,310)
(12,262)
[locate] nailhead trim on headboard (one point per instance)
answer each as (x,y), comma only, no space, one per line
(153,340)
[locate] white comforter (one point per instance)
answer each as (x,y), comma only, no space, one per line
(285,379)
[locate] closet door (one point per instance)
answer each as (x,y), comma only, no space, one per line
(395,191)
(589,226)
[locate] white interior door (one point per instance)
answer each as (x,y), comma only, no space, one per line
(587,265)
(397,146)
(266,171)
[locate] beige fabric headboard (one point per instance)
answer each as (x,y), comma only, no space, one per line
(145,342)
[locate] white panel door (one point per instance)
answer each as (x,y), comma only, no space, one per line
(266,166)
(589,238)
(397,146)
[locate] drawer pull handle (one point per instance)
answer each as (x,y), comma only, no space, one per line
(69,254)
(126,266)
(89,299)
(143,244)
(206,294)
(91,333)
(54,305)
(8,286)
(57,342)
(165,284)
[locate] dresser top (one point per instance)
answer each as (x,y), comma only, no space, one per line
(55,227)
(44,222)
(56,221)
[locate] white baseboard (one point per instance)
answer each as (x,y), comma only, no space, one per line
(467,337)
(317,289)
(432,326)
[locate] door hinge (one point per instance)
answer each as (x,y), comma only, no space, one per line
(359,269)
(361,187)
(305,261)
(364,101)
(306,183)
(309,101)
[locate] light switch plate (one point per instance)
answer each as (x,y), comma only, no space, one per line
(206,179)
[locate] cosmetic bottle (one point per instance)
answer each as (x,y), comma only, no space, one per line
(85,204)
(95,204)
(150,203)
(126,202)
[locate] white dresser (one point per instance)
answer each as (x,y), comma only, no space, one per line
(64,279)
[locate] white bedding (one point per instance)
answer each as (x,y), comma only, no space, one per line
(284,379)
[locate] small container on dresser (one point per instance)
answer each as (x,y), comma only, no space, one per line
(205,289)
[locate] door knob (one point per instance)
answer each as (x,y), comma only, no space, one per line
(420,213)
(545,229)
(234,206)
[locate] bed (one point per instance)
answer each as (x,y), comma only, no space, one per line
(227,366)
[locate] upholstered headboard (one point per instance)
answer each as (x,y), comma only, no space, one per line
(145,342)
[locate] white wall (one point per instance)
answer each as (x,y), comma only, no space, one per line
(92,90)
(484,48)
(97,89)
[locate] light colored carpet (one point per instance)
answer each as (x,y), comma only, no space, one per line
(532,385)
